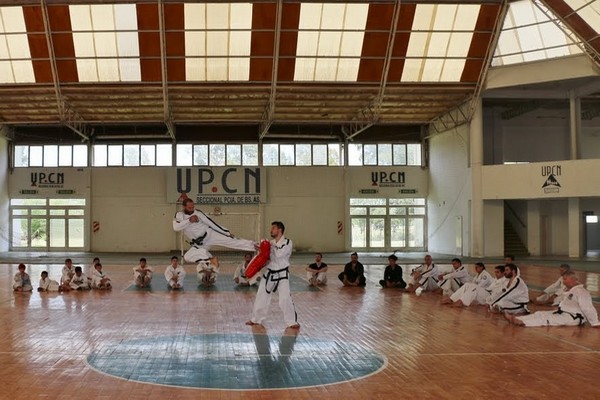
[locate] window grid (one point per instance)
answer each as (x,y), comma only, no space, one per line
(219,154)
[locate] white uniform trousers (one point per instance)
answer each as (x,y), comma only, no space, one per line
(470,293)
(550,318)
(320,277)
(427,283)
(450,286)
(270,283)
(200,252)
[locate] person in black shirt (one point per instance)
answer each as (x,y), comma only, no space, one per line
(354,273)
(392,277)
(317,271)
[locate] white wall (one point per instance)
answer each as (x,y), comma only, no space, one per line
(590,138)
(449,190)
(130,205)
(4,217)
(557,212)
(538,135)
(493,228)
(310,202)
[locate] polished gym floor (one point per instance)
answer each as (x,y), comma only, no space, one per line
(354,343)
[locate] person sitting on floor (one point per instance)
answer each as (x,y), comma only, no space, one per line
(317,272)
(392,276)
(575,308)
(554,293)
(22,281)
(353,273)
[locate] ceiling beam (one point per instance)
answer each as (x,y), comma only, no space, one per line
(463,113)
(369,115)
(561,22)
(167,114)
(269,112)
(68,116)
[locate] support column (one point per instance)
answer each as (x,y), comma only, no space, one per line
(476,163)
(533,227)
(575,228)
(4,197)
(575,124)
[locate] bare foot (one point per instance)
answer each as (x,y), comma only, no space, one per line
(252,323)
(294,326)
(458,303)
(508,317)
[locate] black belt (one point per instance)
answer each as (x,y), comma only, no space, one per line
(198,241)
(574,316)
(268,277)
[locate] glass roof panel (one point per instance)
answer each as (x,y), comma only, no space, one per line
(216,31)
(106,35)
(588,10)
(440,33)
(529,35)
(14,47)
(331,32)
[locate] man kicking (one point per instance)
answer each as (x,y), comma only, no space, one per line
(574,309)
(203,233)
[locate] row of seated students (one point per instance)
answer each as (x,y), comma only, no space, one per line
(72,278)
(506,293)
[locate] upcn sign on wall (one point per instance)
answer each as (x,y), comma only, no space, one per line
(227,185)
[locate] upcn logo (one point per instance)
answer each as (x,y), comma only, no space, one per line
(43,179)
(387,179)
(551,184)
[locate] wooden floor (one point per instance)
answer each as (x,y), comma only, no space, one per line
(48,342)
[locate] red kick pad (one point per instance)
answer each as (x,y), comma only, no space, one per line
(259,260)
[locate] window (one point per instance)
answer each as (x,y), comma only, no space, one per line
(132,155)
(51,156)
(384,154)
(396,224)
(302,154)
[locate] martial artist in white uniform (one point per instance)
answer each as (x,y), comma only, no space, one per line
(48,285)
(514,296)
(99,279)
(555,291)
(175,274)
(452,281)
(22,281)
(142,274)
(424,277)
(67,273)
(239,276)
(203,233)
(276,280)
(575,309)
(79,281)
(474,291)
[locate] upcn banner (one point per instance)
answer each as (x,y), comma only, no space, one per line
(49,182)
(220,185)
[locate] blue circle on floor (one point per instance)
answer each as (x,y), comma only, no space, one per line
(237,361)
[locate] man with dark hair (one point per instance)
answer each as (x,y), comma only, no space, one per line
(452,281)
(392,276)
(474,291)
(514,296)
(276,280)
(204,233)
(317,271)
(574,309)
(353,273)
